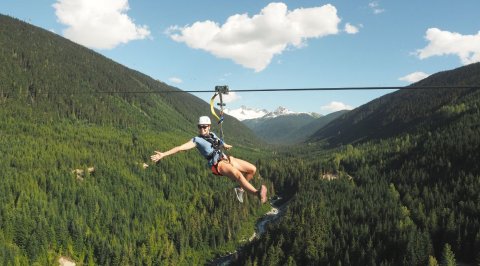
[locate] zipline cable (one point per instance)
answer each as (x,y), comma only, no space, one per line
(277,90)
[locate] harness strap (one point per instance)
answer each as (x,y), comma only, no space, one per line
(215,142)
(219,90)
(212,108)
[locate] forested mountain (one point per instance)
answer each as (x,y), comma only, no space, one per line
(405,111)
(409,198)
(71,154)
(304,133)
(289,128)
(56,76)
(278,129)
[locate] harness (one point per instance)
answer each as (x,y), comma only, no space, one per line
(215,142)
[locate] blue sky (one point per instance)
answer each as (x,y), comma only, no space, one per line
(195,45)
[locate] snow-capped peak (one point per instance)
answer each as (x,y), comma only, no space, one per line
(278,112)
(244,113)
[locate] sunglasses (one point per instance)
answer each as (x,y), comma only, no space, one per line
(203,126)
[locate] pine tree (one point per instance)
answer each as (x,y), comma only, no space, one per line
(448,258)
(432,261)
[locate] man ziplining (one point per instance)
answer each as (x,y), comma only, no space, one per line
(210,146)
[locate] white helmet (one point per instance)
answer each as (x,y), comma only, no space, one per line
(204,120)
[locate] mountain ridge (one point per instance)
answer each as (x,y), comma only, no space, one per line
(403,111)
(286,127)
(35,67)
(248,113)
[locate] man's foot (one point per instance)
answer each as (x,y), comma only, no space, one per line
(239,192)
(262,194)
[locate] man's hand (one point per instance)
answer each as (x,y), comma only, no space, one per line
(227,147)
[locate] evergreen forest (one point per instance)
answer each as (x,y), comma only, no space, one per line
(393,182)
(72,181)
(409,196)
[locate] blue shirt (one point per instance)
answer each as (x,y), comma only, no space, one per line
(206,149)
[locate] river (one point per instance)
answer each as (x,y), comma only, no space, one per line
(271,216)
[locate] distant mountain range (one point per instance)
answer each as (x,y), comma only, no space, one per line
(282,126)
(246,113)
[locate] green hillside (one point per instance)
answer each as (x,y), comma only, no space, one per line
(56,117)
(290,129)
(278,130)
(406,192)
(44,71)
(304,133)
(406,111)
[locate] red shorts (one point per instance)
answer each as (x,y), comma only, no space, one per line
(215,169)
(215,166)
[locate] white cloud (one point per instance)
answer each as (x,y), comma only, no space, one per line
(230,97)
(350,29)
(336,106)
(414,77)
(375,6)
(253,41)
(175,80)
(466,47)
(98,24)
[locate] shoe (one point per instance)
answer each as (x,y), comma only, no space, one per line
(239,192)
(262,194)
